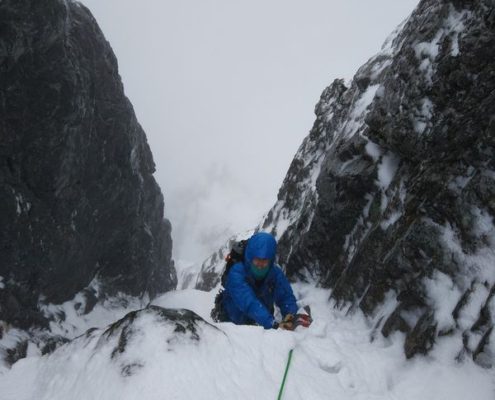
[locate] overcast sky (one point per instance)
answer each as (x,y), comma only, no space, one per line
(225,91)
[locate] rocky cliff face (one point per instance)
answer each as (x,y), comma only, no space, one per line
(79,201)
(390,200)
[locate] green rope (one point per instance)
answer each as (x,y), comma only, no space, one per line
(285,375)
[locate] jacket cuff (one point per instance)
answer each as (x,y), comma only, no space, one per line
(270,323)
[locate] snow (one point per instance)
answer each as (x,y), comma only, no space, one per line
(469,313)
(186,272)
(284,220)
(366,99)
(334,358)
(359,231)
(393,214)
(455,25)
(480,265)
(373,150)
(444,296)
(489,173)
(359,110)
(70,321)
(20,203)
(195,300)
(478,275)
(427,52)
(428,49)
(8,340)
(484,223)
(390,47)
(311,155)
(190,273)
(135,161)
(423,116)
(459,183)
(387,169)
(392,219)
(378,68)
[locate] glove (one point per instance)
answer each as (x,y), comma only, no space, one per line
(287,323)
(302,320)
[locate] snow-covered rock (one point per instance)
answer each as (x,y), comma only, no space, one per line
(390,200)
(402,205)
(169,353)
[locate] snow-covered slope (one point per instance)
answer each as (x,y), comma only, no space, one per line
(169,353)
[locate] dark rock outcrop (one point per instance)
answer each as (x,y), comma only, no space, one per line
(390,200)
(79,201)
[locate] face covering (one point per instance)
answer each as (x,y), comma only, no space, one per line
(259,273)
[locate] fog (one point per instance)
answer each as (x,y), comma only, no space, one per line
(225,91)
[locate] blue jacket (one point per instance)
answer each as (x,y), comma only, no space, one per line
(248,300)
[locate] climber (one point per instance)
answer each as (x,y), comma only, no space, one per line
(254,285)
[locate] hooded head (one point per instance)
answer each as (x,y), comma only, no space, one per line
(262,246)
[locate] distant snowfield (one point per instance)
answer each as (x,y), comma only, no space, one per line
(333,359)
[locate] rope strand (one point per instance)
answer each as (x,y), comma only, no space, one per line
(285,375)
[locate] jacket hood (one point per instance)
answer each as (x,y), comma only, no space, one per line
(261,245)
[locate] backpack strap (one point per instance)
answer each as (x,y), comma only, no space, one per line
(236,255)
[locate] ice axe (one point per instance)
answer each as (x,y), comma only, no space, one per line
(304,320)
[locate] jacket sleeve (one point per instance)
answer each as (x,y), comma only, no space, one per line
(245,299)
(284,296)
